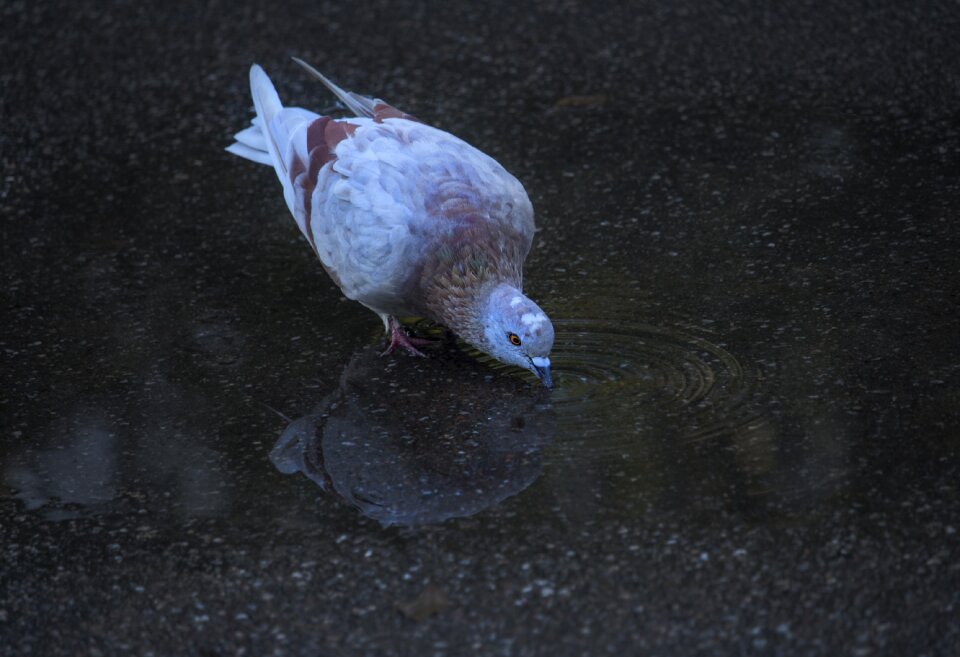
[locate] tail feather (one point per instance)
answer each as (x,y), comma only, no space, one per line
(268,105)
(259,155)
(253,136)
(276,136)
(359,105)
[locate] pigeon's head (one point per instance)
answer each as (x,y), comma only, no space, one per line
(516,331)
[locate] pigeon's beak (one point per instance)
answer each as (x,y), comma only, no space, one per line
(541,367)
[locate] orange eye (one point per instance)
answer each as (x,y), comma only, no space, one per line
(514,339)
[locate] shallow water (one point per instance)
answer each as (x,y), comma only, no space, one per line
(747,244)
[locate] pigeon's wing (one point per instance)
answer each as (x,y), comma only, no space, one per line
(364,212)
(357,228)
(395,189)
(363,106)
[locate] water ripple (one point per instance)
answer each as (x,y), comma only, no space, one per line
(616,377)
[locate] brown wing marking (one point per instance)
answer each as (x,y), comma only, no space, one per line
(383,111)
(323,135)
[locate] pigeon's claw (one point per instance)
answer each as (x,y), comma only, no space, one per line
(399,338)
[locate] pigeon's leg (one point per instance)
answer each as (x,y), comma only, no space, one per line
(399,338)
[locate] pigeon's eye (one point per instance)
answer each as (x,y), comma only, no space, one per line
(514,339)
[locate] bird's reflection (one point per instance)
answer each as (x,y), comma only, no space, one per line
(412,442)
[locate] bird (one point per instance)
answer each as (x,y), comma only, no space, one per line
(406,219)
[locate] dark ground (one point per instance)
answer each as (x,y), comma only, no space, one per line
(760,201)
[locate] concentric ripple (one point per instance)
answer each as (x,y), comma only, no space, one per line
(614,379)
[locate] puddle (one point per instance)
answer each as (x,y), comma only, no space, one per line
(418,441)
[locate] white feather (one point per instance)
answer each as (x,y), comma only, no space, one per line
(268,105)
(256,155)
(253,137)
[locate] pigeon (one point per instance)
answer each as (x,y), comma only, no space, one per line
(406,219)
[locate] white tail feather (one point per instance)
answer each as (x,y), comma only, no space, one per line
(253,137)
(268,105)
(260,156)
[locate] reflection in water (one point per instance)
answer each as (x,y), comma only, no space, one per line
(413,442)
(77,468)
(87,463)
(640,414)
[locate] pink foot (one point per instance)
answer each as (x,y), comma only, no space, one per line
(399,338)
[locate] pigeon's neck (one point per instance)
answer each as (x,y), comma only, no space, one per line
(458,281)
